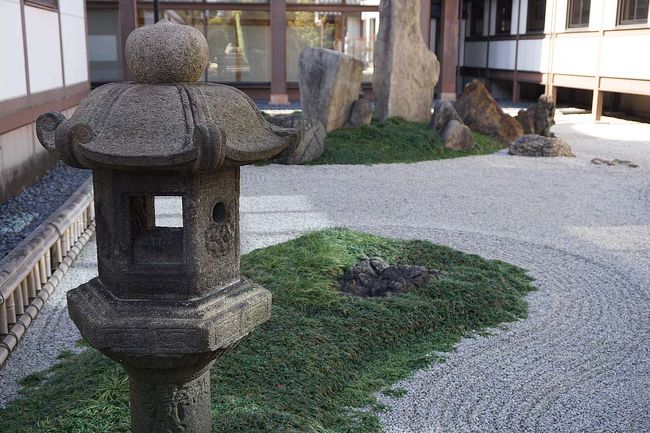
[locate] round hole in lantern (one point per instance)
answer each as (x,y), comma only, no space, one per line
(219,212)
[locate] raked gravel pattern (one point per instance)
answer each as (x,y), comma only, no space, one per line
(580,362)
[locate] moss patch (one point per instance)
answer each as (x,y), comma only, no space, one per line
(321,356)
(394,140)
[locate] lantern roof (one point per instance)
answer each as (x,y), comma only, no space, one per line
(165,120)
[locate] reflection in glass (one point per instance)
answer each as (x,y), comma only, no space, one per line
(240,46)
(350,33)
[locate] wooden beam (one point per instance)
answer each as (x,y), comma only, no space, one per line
(449,60)
(128,21)
(279,52)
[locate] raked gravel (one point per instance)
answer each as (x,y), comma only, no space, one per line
(580,362)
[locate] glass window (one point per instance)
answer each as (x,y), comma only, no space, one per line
(336,2)
(579,13)
(504,16)
(536,16)
(350,33)
(240,46)
(103,47)
(476,17)
(50,4)
(633,11)
(239,42)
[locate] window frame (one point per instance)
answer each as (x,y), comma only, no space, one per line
(633,22)
(497,30)
(50,5)
(528,19)
(580,24)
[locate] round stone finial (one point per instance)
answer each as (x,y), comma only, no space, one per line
(166,53)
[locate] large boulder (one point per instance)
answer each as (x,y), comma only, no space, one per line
(481,113)
(538,145)
(312,141)
(406,71)
(539,117)
(329,84)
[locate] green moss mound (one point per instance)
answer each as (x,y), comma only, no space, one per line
(395,140)
(321,356)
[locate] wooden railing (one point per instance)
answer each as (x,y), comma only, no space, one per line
(31,271)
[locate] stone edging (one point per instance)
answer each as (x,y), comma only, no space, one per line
(34,268)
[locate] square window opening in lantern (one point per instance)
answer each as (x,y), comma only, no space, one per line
(157,229)
(168,211)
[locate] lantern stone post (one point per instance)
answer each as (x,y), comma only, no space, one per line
(168,300)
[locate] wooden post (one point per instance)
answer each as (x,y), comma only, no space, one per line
(597,105)
(449,60)
(128,13)
(18,300)
(279,93)
(4,325)
(11,307)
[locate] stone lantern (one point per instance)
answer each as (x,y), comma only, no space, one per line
(168,300)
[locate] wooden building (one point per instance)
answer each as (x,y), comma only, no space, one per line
(584,52)
(44,68)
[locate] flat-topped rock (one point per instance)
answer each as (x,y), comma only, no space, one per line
(330,82)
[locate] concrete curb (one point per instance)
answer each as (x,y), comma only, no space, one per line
(31,271)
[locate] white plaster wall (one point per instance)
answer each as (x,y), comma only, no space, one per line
(533,55)
(560,15)
(72,7)
(502,55)
(43,49)
(625,56)
(75,58)
(475,54)
(575,55)
(13,83)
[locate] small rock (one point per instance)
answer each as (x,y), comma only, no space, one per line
(312,142)
(615,162)
(537,145)
(457,136)
(443,112)
(373,277)
(361,112)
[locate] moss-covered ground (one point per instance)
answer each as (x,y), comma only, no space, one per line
(394,140)
(322,355)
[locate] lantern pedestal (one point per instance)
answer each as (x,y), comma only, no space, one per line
(178,406)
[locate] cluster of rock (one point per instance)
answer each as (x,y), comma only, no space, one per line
(373,277)
(449,125)
(406,71)
(537,121)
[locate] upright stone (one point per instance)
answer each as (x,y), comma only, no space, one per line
(330,82)
(539,117)
(168,300)
(406,71)
(481,113)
